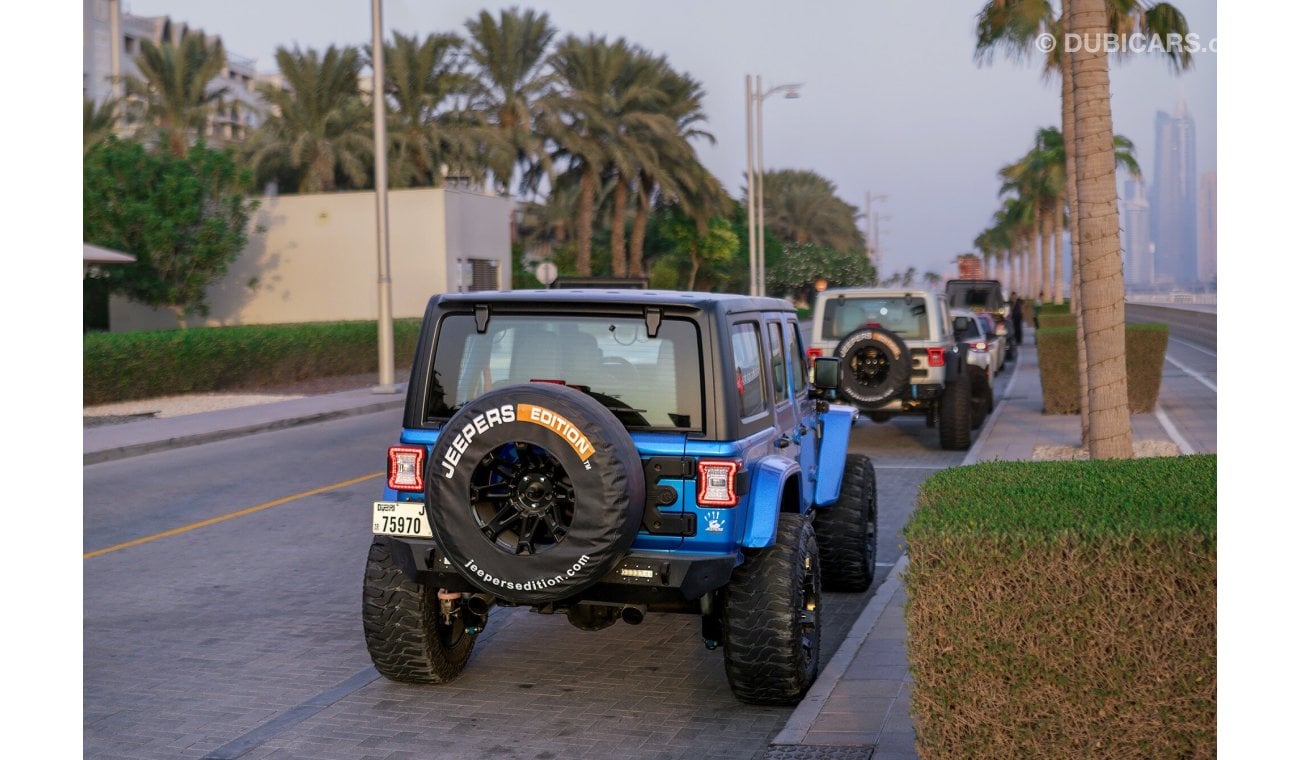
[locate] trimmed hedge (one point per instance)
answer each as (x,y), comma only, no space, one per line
(1055,319)
(1055,308)
(126,366)
(1058,362)
(1065,609)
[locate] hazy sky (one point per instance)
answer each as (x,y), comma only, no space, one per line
(892,102)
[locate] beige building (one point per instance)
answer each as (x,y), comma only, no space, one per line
(315,259)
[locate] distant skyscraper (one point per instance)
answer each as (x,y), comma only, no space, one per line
(1173,198)
(1139,267)
(1207,229)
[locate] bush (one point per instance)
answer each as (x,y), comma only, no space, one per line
(125,366)
(1065,609)
(1058,362)
(1055,319)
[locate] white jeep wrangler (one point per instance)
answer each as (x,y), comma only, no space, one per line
(899,356)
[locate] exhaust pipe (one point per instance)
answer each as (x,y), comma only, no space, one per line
(479,604)
(633,615)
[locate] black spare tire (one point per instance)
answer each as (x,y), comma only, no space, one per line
(877,366)
(535,492)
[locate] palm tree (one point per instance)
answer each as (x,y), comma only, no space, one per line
(1014,25)
(577,118)
(801,207)
(173,90)
(510,55)
(98,122)
(319,129)
(426,135)
(676,173)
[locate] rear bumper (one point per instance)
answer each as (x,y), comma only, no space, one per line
(640,577)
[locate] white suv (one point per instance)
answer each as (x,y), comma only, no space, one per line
(899,356)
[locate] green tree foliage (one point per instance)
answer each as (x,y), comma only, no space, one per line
(320,131)
(173,92)
(802,264)
(184,218)
(97,123)
(698,250)
(425,130)
(509,56)
(801,207)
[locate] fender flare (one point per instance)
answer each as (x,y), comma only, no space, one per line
(767,481)
(954,362)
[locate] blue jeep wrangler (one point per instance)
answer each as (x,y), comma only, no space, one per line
(605,454)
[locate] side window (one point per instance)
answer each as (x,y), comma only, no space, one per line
(777,351)
(794,349)
(748,357)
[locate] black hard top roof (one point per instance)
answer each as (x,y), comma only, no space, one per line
(727,302)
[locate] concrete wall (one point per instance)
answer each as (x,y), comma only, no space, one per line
(316,259)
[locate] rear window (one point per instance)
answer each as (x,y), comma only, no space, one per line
(972,296)
(972,329)
(649,383)
(907,317)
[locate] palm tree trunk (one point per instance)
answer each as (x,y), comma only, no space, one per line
(617,255)
(636,262)
(1058,285)
(1035,253)
(1044,251)
(1072,197)
(586,202)
(1110,432)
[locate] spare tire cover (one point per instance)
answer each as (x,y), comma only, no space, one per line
(535,492)
(877,366)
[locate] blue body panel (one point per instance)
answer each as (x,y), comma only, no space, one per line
(766,483)
(835,426)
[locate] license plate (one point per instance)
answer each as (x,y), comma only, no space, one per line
(402,518)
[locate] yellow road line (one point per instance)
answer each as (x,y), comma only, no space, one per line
(231,516)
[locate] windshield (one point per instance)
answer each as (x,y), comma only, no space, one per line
(906,317)
(649,383)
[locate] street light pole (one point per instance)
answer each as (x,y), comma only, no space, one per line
(762,236)
(754,97)
(386,371)
(749,181)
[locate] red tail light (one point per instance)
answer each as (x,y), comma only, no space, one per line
(935,356)
(715,485)
(406,468)
(978,345)
(812,354)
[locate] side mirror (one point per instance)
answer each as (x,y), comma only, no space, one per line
(826,373)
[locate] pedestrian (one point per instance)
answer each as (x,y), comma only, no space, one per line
(1018,317)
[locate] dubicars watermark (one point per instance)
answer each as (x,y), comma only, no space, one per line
(1111,42)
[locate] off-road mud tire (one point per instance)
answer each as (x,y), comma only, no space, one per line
(405,635)
(955,414)
(771,618)
(525,512)
(981,399)
(847,530)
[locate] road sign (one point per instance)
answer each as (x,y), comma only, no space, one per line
(546,273)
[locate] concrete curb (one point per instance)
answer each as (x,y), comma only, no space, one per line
(802,719)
